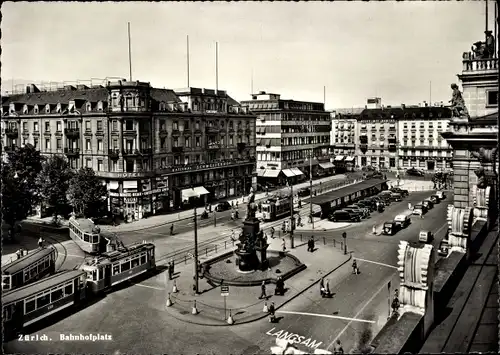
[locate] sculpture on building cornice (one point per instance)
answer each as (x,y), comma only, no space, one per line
(485,156)
(457,102)
(489,45)
(479,49)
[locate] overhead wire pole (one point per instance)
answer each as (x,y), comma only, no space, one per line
(292,244)
(129,52)
(216,66)
(187,58)
(195,252)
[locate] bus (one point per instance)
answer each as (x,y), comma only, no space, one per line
(114,267)
(86,235)
(29,268)
(275,208)
(29,304)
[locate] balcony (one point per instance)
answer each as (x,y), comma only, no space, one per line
(72,132)
(392,147)
(146,151)
(241,146)
(392,139)
(72,151)
(130,132)
(211,130)
(163,132)
(213,146)
(176,133)
(479,66)
(47,133)
(12,132)
(177,149)
(114,153)
(130,152)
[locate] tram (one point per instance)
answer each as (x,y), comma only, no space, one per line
(31,303)
(114,267)
(86,235)
(275,208)
(29,268)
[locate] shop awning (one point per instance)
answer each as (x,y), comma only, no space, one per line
(261,172)
(350,158)
(113,185)
(193,192)
(288,172)
(339,158)
(297,171)
(271,173)
(326,165)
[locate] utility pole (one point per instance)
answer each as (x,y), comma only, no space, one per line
(129,53)
(292,222)
(311,189)
(195,252)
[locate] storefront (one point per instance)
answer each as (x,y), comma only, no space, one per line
(350,162)
(328,168)
(340,164)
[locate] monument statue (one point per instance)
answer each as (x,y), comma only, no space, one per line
(457,102)
(251,206)
(489,45)
(485,156)
(478,49)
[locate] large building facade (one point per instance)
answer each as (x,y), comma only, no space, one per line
(343,138)
(147,144)
(288,134)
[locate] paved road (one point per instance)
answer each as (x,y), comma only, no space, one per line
(142,325)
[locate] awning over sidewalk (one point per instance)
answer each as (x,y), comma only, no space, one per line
(350,158)
(288,172)
(271,173)
(297,171)
(193,192)
(261,172)
(327,165)
(339,158)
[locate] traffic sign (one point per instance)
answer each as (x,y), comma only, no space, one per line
(190,255)
(224,290)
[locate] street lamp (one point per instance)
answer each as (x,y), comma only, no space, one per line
(344,235)
(291,216)
(311,190)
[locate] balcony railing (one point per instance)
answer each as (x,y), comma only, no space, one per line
(12,132)
(72,132)
(114,153)
(176,132)
(471,64)
(130,132)
(72,151)
(212,130)
(213,146)
(130,152)
(177,149)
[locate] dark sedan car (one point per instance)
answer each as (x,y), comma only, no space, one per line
(403,192)
(305,192)
(223,206)
(414,172)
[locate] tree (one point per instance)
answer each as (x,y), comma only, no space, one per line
(53,184)
(19,188)
(86,194)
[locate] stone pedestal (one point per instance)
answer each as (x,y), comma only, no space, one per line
(251,252)
(261,251)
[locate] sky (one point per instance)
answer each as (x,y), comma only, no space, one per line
(403,52)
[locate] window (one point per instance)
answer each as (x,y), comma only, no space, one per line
(163,142)
(115,125)
(115,143)
(59,143)
(197,125)
(186,125)
(99,165)
(25,126)
(125,266)
(56,295)
(492,98)
(99,126)
(116,269)
(30,305)
(43,300)
(100,145)
(59,127)
(129,125)
(186,143)
(88,145)
(176,142)
(47,126)
(135,262)
(175,125)
(143,259)
(87,126)
(47,143)
(35,126)
(231,140)
(35,143)
(88,163)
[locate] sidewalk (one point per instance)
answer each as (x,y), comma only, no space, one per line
(412,185)
(321,225)
(9,248)
(243,302)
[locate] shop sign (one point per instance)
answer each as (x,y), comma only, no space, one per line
(130,200)
(136,194)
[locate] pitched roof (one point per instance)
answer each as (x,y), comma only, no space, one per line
(164,95)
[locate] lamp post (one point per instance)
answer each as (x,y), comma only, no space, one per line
(344,235)
(311,190)
(195,252)
(291,216)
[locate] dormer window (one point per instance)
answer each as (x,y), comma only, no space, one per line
(89,107)
(58,109)
(162,106)
(71,107)
(35,110)
(100,106)
(47,108)
(25,109)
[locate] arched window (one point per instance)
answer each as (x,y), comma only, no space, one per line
(100,106)
(47,108)
(58,109)
(25,109)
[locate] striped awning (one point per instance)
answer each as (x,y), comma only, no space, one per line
(271,173)
(297,171)
(288,172)
(339,158)
(193,192)
(261,172)
(327,165)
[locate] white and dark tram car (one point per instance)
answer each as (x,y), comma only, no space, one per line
(29,268)
(114,267)
(86,235)
(275,208)
(34,302)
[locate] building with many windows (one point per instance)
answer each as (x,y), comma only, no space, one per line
(343,138)
(402,137)
(147,144)
(288,134)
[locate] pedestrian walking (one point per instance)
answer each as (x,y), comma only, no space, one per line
(40,242)
(272,309)
(170,270)
(310,244)
(172,229)
(409,205)
(337,348)
(18,254)
(272,232)
(283,244)
(354,267)
(263,290)
(327,287)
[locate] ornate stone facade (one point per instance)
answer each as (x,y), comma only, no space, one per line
(459,228)
(416,271)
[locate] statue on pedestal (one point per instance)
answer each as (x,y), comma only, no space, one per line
(251,206)
(457,103)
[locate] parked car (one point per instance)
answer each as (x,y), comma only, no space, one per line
(434,199)
(425,236)
(441,195)
(357,211)
(414,172)
(419,210)
(223,206)
(443,248)
(428,204)
(365,210)
(390,228)
(403,192)
(396,197)
(305,192)
(344,216)
(403,220)
(368,204)
(385,197)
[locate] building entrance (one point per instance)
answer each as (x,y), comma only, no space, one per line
(430,165)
